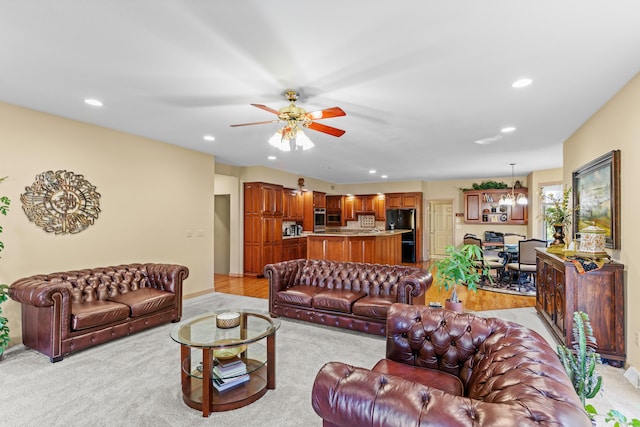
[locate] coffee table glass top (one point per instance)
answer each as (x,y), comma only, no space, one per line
(202,331)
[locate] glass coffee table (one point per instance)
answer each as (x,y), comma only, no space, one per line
(223,358)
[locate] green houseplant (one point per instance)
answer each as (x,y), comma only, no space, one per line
(580,365)
(4,327)
(463,266)
(557,213)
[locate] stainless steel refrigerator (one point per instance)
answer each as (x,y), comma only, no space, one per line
(404,219)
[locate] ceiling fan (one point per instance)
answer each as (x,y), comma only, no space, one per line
(295,118)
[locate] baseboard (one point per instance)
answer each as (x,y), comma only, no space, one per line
(633,376)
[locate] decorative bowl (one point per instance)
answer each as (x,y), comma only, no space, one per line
(230,319)
(229,352)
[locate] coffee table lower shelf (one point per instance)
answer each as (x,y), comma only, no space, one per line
(233,398)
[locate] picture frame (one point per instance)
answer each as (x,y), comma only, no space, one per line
(596,193)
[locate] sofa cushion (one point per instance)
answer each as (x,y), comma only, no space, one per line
(301,295)
(97,313)
(145,300)
(375,306)
(336,299)
(429,377)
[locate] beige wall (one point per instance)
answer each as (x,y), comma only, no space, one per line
(151,194)
(616,127)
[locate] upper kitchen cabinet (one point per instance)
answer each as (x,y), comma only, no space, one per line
(293,205)
(481,206)
(334,204)
(349,209)
(403,200)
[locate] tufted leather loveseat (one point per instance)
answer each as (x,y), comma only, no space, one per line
(451,369)
(348,295)
(69,311)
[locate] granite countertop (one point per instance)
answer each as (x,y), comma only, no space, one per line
(361,232)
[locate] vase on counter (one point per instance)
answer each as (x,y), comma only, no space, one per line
(557,247)
(558,235)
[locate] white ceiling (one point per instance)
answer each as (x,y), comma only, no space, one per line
(420,80)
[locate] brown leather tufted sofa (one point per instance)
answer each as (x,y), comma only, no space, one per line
(70,311)
(451,369)
(347,295)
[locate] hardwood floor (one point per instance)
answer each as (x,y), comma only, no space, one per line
(482,300)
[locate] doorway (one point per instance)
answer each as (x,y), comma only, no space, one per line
(222,234)
(440,227)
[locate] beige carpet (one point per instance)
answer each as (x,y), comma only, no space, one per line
(135,381)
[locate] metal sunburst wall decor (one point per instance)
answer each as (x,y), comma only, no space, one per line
(61,202)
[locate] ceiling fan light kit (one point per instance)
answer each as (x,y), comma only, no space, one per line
(291,137)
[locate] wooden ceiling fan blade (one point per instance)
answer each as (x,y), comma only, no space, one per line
(327,113)
(254,123)
(326,129)
(265,108)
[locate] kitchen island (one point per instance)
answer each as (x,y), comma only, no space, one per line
(376,247)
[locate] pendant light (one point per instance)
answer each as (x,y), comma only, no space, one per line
(512,199)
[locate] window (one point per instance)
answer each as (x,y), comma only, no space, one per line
(556,192)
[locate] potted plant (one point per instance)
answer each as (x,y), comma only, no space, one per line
(463,266)
(4,328)
(558,214)
(580,365)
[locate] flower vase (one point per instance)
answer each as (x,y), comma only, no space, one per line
(557,247)
(558,235)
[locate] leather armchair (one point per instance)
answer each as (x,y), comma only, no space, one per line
(451,369)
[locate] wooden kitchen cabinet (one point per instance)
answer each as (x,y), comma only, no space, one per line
(481,206)
(293,205)
(334,204)
(561,290)
(312,200)
(319,199)
(263,214)
(294,248)
(349,209)
(403,200)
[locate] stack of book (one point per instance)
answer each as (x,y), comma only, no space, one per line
(229,373)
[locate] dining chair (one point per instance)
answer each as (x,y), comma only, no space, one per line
(513,238)
(526,265)
(494,263)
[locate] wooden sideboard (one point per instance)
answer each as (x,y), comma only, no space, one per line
(561,290)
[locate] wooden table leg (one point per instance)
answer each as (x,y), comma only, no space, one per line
(207,367)
(271,361)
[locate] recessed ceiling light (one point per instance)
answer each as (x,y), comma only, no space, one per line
(93,102)
(209,138)
(522,83)
(489,140)
(372,171)
(384,176)
(272,157)
(507,129)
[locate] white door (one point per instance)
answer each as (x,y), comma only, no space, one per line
(440,227)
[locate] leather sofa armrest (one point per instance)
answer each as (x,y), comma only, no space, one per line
(413,286)
(281,274)
(167,277)
(344,395)
(38,292)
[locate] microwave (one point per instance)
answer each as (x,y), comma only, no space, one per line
(334,219)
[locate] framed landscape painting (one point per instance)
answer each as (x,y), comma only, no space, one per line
(596,192)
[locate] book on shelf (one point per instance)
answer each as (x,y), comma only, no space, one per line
(226,363)
(229,369)
(227,383)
